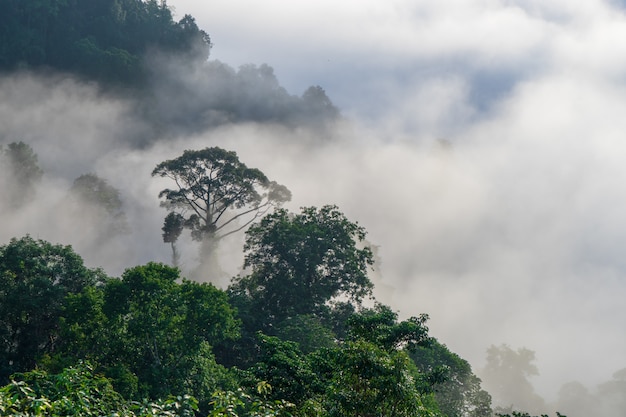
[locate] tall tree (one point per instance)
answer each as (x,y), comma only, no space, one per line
(506,376)
(371,374)
(300,263)
(172,228)
(457,390)
(22,173)
(103,201)
(35,278)
(216,194)
(612,395)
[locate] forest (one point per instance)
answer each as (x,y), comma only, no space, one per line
(298,332)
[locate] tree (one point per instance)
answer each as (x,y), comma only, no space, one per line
(317,109)
(240,403)
(301,263)
(380,326)
(21,167)
(371,373)
(612,395)
(288,371)
(172,228)
(308,331)
(103,202)
(575,399)
(506,376)
(457,390)
(101,39)
(216,195)
(35,278)
(152,334)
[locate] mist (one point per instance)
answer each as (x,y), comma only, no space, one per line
(487,174)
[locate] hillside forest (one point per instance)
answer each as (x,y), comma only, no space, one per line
(298,331)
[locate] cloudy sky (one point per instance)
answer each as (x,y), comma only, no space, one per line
(515,232)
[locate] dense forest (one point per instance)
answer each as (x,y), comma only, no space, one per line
(297,333)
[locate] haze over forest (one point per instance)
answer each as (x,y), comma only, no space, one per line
(480,144)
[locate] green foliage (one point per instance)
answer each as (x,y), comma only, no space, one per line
(239,404)
(35,278)
(371,373)
(367,380)
(307,330)
(78,391)
(380,326)
(457,390)
(283,366)
(94,190)
(300,263)
(151,334)
(173,226)
(101,39)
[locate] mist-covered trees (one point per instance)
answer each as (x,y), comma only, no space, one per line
(214,93)
(506,376)
(456,388)
(101,39)
(152,335)
(20,172)
(215,195)
(99,203)
(290,337)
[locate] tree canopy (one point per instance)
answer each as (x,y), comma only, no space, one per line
(153,329)
(101,39)
(93,198)
(145,344)
(35,278)
(19,167)
(215,195)
(301,262)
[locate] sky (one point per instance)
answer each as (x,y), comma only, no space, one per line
(512,234)
(482,149)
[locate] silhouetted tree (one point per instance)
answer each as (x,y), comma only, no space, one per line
(216,195)
(506,375)
(20,166)
(101,201)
